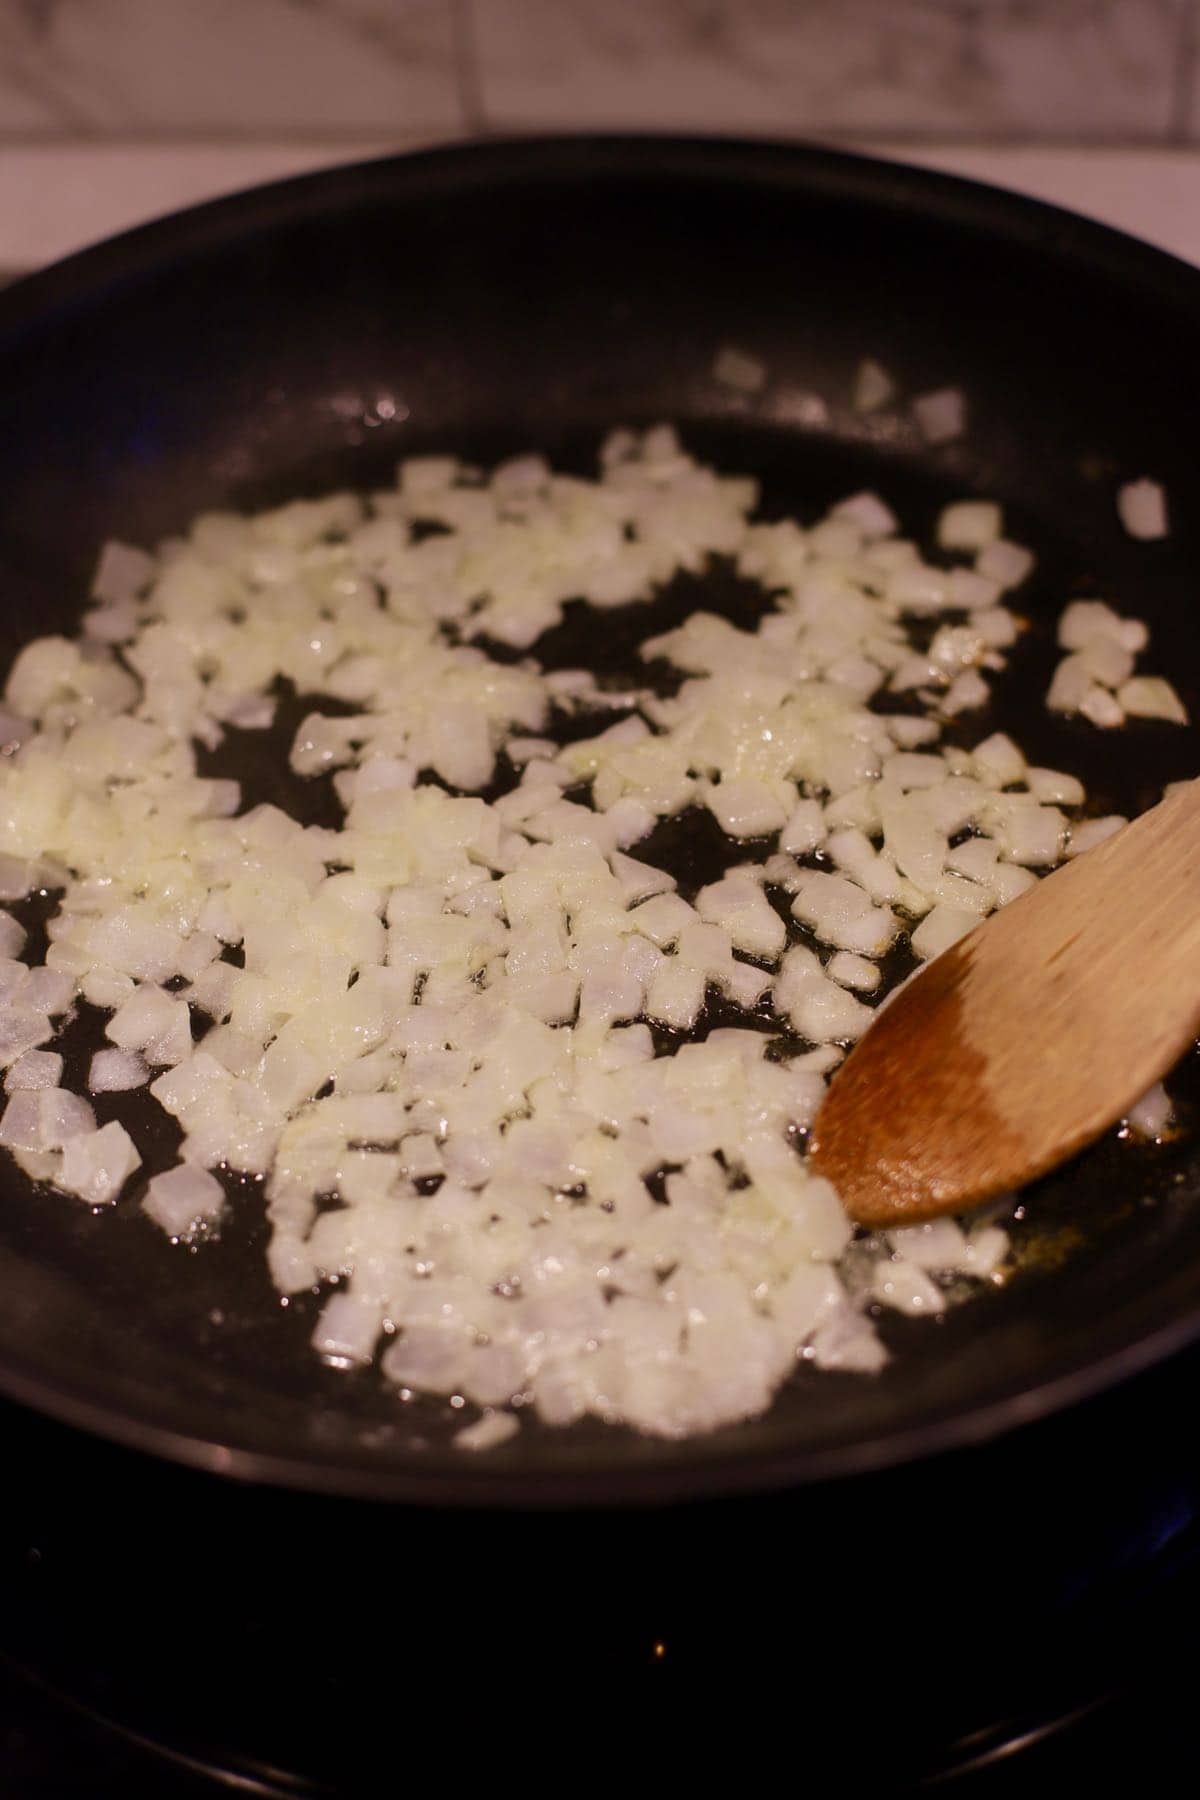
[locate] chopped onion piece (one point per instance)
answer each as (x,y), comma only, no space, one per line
(804,831)
(966,693)
(987,1247)
(873,386)
(940,928)
(1084,622)
(96,1164)
(12,935)
(869,513)
(348,1329)
(972,591)
(853,972)
(746,808)
(999,761)
(184,1201)
(1106,662)
(1152,1114)
(675,995)
(940,1244)
(1004,562)
(733,368)
(17,877)
(1102,708)
(639,881)
(21,1029)
(941,416)
(1149,697)
(1090,832)
(902,1284)
(745,985)
(969,525)
(738,904)
(36,1069)
(44,1119)
(487,1433)
(116,1071)
(122,573)
(1053,786)
(1142,506)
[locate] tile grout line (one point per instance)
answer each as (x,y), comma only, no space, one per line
(467,71)
(1183,75)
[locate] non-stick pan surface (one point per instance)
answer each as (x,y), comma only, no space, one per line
(532,295)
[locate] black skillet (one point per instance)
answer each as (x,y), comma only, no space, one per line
(531,295)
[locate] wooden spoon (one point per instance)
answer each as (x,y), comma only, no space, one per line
(1029,1037)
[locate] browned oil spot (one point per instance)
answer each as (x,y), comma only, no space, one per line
(1095,467)
(1047,1250)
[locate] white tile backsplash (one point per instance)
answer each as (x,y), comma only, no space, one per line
(239,67)
(1105,71)
(1054,69)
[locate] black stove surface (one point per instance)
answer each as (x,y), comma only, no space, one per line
(991,1622)
(1122,1744)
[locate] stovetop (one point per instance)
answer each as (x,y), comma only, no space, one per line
(991,1622)
(49,1749)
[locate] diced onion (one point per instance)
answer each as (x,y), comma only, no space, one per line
(506,1086)
(1142,506)
(487,1433)
(1150,697)
(941,416)
(36,1069)
(96,1164)
(733,368)
(969,525)
(116,1071)
(1152,1114)
(873,387)
(184,1200)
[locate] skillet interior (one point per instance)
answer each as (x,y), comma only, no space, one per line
(530,296)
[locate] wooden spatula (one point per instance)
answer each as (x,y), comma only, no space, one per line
(1029,1037)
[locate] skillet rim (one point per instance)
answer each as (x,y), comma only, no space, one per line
(29,304)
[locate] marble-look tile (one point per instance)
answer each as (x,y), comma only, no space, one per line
(239,67)
(1084,69)
(1189,109)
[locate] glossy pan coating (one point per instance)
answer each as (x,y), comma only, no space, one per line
(531,295)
